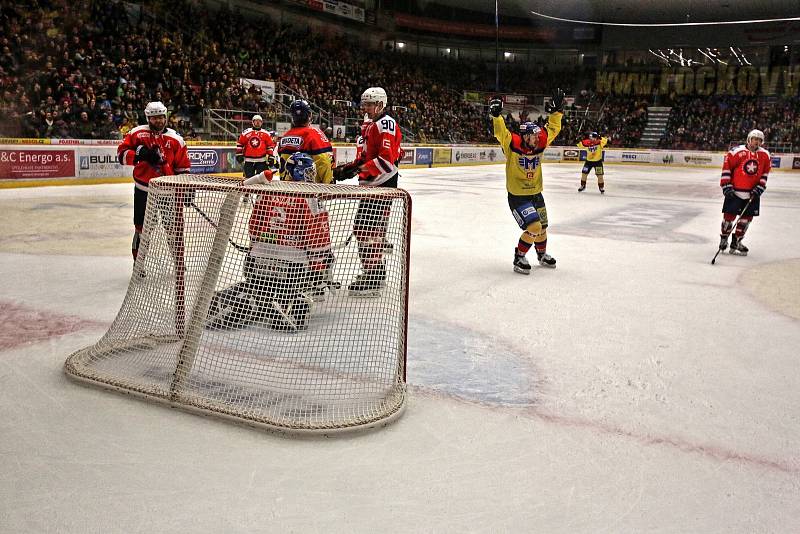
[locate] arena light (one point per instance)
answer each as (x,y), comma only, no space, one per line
(665,24)
(401,45)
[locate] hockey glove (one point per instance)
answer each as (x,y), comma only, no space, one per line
(346,171)
(239,159)
(758,190)
(556,104)
(495,107)
(150,155)
(727,190)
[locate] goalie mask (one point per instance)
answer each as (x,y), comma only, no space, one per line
(539,135)
(300,167)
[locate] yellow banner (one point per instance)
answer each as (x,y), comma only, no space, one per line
(704,81)
(441,156)
(23,141)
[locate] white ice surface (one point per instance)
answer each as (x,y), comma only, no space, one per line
(635,388)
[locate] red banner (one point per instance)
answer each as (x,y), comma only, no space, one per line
(474,30)
(37,163)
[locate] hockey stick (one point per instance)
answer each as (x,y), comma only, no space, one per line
(585,115)
(733,226)
(388,248)
(237,246)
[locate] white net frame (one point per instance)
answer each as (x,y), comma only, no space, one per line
(203,328)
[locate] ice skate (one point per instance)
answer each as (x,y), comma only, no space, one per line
(546,260)
(723,242)
(737,248)
(602,191)
(581,188)
(368,284)
(521,264)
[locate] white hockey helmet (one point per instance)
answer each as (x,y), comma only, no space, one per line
(257,118)
(757,134)
(154,109)
(374,95)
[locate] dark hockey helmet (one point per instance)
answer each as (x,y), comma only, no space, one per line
(527,128)
(300,112)
(300,167)
(594,135)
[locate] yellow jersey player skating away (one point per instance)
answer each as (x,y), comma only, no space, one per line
(593,144)
(523,153)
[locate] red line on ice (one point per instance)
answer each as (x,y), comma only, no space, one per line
(21,325)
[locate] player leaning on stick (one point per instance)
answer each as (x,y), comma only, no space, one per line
(376,163)
(523,153)
(744,179)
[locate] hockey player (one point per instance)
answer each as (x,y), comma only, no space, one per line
(302,137)
(744,179)
(154,150)
(523,153)
(254,148)
(289,252)
(376,165)
(594,144)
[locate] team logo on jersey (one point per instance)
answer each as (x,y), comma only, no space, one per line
(750,167)
(255,142)
(528,163)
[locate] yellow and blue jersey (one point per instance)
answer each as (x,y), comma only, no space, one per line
(594,148)
(523,165)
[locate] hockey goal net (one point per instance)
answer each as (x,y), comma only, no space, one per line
(282,305)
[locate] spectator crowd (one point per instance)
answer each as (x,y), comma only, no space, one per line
(86,69)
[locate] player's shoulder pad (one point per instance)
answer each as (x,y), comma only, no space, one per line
(765,151)
(737,149)
(169,132)
(247,131)
(134,131)
(386,124)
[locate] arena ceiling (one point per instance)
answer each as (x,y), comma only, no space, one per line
(639,11)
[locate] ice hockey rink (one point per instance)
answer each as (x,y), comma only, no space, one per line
(635,388)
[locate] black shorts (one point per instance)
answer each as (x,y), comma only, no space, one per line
(139,206)
(373,213)
(734,205)
(251,168)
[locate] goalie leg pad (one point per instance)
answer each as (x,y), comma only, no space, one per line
(291,317)
(230,308)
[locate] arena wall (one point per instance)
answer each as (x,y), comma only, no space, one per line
(42,162)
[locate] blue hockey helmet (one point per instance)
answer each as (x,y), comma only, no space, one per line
(300,112)
(527,128)
(300,167)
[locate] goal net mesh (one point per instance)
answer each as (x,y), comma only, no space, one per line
(282,305)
